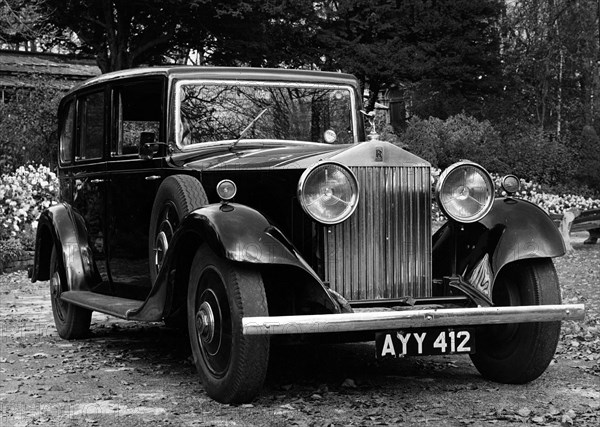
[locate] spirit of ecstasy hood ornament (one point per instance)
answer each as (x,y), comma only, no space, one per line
(373,135)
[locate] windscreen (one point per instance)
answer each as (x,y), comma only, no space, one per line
(257,111)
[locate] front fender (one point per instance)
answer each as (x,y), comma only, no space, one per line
(63,228)
(514,229)
(240,234)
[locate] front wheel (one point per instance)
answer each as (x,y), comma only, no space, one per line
(520,352)
(232,366)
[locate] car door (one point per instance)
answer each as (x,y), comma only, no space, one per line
(137,117)
(87,176)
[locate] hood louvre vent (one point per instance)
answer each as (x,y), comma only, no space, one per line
(384,249)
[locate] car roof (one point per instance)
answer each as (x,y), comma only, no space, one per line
(240,73)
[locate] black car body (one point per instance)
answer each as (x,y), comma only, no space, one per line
(248,204)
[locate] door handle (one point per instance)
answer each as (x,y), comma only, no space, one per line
(97,180)
(152,177)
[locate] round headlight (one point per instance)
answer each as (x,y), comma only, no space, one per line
(328,192)
(465,192)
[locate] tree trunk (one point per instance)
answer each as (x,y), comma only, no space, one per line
(559,95)
(374,88)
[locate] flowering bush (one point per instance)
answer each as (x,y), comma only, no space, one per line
(24,194)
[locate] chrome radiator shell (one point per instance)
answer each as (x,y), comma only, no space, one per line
(383,251)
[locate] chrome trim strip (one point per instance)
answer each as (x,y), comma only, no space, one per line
(390,320)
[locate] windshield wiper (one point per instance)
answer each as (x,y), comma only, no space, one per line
(247,128)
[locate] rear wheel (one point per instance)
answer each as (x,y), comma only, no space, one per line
(232,366)
(71,321)
(520,352)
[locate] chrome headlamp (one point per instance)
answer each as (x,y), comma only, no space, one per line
(328,192)
(465,192)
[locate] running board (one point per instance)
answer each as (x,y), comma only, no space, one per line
(417,318)
(115,306)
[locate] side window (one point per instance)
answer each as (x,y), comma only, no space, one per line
(91,126)
(138,116)
(66,133)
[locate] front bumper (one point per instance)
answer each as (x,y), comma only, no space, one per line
(413,318)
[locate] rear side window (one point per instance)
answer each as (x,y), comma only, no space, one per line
(91,126)
(66,133)
(138,116)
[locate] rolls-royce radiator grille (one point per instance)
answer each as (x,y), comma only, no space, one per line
(384,249)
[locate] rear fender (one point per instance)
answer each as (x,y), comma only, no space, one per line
(513,230)
(63,228)
(240,234)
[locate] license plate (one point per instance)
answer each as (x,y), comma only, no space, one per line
(423,342)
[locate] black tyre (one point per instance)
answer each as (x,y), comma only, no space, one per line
(177,196)
(521,352)
(232,366)
(71,321)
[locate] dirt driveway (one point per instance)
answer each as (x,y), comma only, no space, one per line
(133,374)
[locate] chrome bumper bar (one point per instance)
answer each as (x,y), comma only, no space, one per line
(412,318)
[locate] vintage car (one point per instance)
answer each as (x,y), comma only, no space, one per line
(250,206)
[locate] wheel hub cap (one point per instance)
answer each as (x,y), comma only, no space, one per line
(205,323)
(55,286)
(160,249)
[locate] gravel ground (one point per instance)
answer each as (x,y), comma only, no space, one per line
(134,374)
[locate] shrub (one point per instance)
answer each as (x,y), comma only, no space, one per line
(10,249)
(28,126)
(534,155)
(443,142)
(24,194)
(422,137)
(515,147)
(589,158)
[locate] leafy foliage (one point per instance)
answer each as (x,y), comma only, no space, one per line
(448,46)
(10,249)
(516,147)
(28,129)
(588,169)
(262,33)
(20,20)
(443,142)
(128,33)
(550,57)
(533,154)
(123,33)
(528,67)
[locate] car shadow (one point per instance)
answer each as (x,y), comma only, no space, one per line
(293,369)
